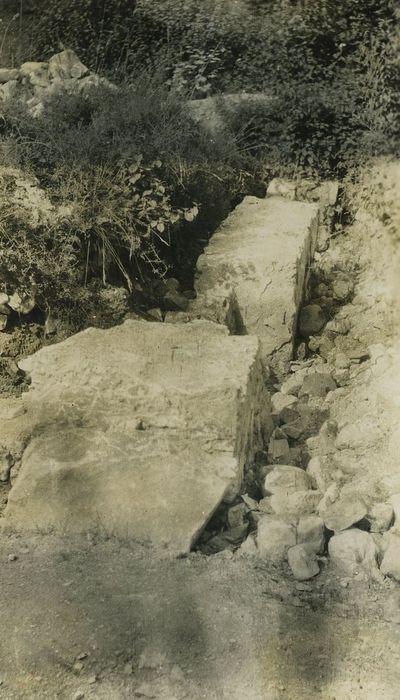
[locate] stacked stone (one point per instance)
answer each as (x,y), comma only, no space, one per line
(34,81)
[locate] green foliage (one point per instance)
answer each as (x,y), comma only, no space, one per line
(133,173)
(332,66)
(99,30)
(120,213)
(145,184)
(44,258)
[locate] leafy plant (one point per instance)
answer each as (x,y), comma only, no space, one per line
(121,213)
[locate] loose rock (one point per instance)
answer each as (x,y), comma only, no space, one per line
(391,559)
(281,401)
(338,326)
(274,538)
(310,531)
(343,513)
(248,547)
(66,64)
(7,74)
(292,506)
(236,515)
(156,314)
(278,451)
(303,562)
(22,303)
(175,301)
(353,551)
(342,287)
(311,320)
(293,383)
(6,463)
(317,384)
(380,517)
(286,479)
(318,471)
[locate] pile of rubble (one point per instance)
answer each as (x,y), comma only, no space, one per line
(34,82)
(328,483)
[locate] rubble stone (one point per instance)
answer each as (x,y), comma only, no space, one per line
(303,562)
(274,538)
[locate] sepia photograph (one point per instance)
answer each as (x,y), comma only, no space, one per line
(199,350)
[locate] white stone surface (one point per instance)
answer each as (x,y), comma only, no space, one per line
(259,255)
(286,479)
(274,538)
(303,562)
(353,551)
(140,430)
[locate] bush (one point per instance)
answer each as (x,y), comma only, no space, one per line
(333,67)
(146,184)
(98,30)
(42,258)
(133,172)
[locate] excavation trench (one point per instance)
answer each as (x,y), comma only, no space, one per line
(213,430)
(234,525)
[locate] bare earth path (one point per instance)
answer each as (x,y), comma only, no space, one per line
(207,628)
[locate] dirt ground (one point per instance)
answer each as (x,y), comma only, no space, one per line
(85,618)
(216,627)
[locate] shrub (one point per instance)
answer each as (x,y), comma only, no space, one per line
(99,30)
(135,173)
(121,213)
(44,258)
(332,66)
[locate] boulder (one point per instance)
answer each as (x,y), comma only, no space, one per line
(363,432)
(317,384)
(291,506)
(380,516)
(310,531)
(353,551)
(274,538)
(281,401)
(66,64)
(343,513)
(37,73)
(140,430)
(7,74)
(390,565)
(303,562)
(278,451)
(286,479)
